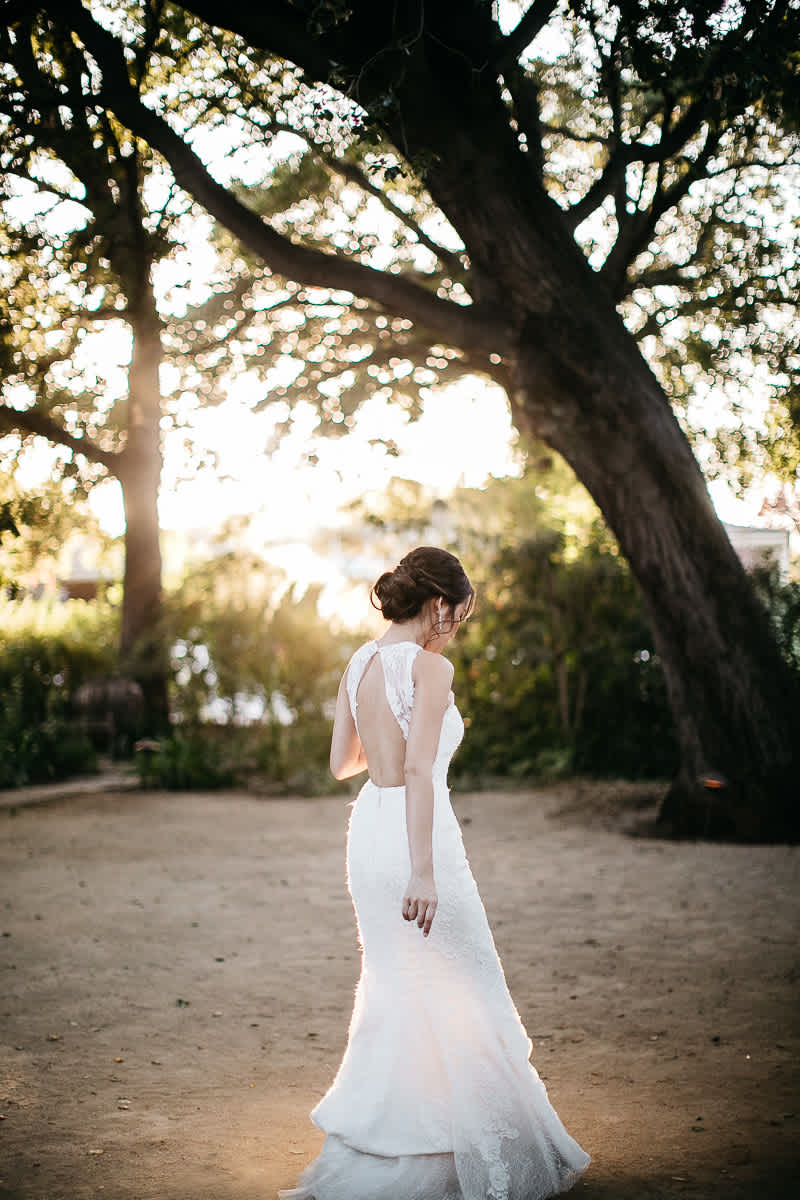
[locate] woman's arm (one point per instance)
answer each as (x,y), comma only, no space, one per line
(347,753)
(432,678)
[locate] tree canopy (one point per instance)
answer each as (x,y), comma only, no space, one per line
(666,138)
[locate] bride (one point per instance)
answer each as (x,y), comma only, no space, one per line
(435,1098)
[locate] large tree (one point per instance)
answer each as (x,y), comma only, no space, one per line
(62,286)
(88,216)
(558,251)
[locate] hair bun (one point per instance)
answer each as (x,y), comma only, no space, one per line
(396,593)
(422,574)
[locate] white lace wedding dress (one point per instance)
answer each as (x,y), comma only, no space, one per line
(435,1098)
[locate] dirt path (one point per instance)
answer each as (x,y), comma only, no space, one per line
(176,976)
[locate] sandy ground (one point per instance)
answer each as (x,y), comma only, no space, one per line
(177,971)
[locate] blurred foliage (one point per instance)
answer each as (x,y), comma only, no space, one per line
(782,601)
(695,236)
(253,656)
(87,221)
(556,672)
(699,246)
(190,760)
(696,240)
(254,671)
(46,652)
(37,529)
(42,753)
(263,757)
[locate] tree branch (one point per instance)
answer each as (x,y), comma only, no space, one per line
(625,153)
(315,268)
(524,33)
(642,226)
(602,187)
(565,131)
(62,353)
(671,276)
(673,137)
(354,174)
(745,164)
(105,312)
(43,188)
(279,26)
(32,420)
(75,147)
(525,94)
(614,67)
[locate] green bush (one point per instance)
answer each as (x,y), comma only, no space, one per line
(782,602)
(262,757)
(52,749)
(557,672)
(46,651)
(186,761)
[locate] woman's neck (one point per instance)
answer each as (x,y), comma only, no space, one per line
(406,631)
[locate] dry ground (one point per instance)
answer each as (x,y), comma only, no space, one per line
(176,975)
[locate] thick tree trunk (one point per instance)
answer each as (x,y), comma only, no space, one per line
(585,389)
(142,649)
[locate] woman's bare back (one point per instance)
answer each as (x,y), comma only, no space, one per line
(381,735)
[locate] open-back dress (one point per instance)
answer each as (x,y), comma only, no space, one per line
(435,1098)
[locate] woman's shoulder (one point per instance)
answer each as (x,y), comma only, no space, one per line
(432,668)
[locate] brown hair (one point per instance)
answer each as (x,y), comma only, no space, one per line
(423,574)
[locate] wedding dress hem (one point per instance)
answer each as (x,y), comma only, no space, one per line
(342,1172)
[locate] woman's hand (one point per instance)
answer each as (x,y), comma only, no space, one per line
(420,900)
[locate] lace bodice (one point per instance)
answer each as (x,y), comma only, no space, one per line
(397,661)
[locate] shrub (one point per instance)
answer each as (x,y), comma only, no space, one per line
(262,757)
(188,761)
(46,651)
(557,672)
(782,602)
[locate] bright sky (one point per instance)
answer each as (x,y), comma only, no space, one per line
(464,436)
